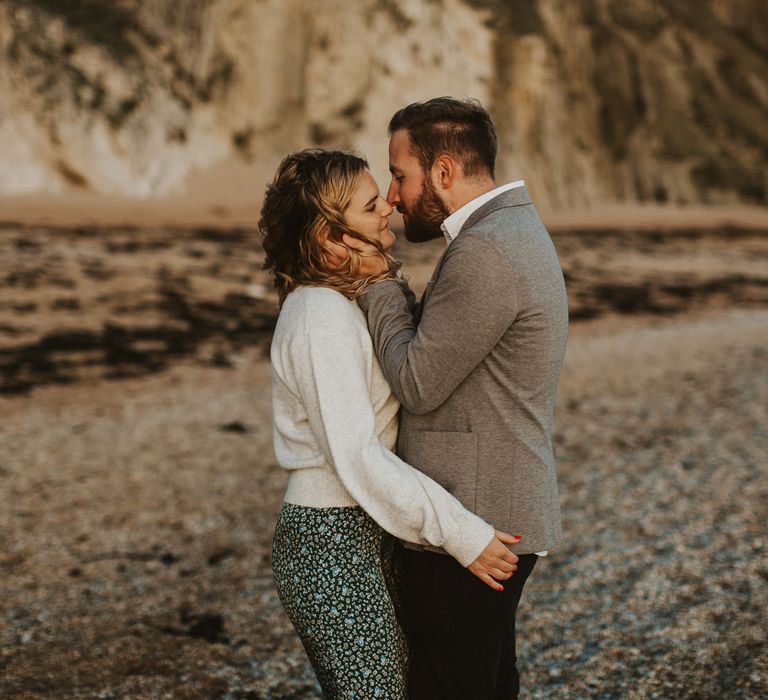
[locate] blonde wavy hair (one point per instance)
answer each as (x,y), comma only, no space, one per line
(303,209)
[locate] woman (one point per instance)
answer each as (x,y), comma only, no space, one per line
(335,424)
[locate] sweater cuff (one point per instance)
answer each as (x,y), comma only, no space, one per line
(471,543)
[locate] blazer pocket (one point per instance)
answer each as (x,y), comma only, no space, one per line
(450,458)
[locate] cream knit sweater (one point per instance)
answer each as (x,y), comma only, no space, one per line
(335,424)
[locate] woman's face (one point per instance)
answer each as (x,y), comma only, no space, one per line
(368,212)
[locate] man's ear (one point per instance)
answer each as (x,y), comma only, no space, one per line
(444,172)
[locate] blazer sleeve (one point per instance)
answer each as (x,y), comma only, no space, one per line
(332,366)
(410,297)
(472,304)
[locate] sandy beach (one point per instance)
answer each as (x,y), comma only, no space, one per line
(140,489)
(138,484)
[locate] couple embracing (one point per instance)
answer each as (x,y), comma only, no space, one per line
(417,436)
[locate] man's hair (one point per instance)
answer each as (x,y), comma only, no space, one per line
(462,129)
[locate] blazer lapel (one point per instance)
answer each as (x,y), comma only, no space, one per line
(516,197)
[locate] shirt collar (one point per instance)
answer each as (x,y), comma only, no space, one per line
(452,225)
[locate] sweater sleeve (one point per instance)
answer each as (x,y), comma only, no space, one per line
(332,365)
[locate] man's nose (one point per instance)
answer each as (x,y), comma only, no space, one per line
(392,195)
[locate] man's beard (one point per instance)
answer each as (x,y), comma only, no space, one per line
(424,218)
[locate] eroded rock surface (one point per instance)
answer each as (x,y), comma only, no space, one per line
(596,101)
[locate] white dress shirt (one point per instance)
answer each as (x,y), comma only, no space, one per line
(452,225)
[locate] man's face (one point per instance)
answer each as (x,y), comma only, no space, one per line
(411,191)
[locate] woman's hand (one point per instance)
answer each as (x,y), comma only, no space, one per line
(496,563)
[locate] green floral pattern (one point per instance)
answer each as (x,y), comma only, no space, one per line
(333,568)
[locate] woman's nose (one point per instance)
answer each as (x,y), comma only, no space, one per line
(388,209)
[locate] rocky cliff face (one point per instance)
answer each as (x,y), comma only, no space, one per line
(596,100)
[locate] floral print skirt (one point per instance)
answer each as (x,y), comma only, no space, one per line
(333,568)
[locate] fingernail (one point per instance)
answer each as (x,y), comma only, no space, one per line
(518,537)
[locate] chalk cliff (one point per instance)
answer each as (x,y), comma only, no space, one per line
(596,100)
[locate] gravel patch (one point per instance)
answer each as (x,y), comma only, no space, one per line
(137,517)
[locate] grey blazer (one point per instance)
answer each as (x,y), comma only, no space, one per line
(476,368)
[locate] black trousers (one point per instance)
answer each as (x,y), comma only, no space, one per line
(461,633)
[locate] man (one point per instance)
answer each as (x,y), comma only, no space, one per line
(476,368)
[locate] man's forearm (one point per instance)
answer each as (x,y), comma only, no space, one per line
(468,309)
(389,307)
